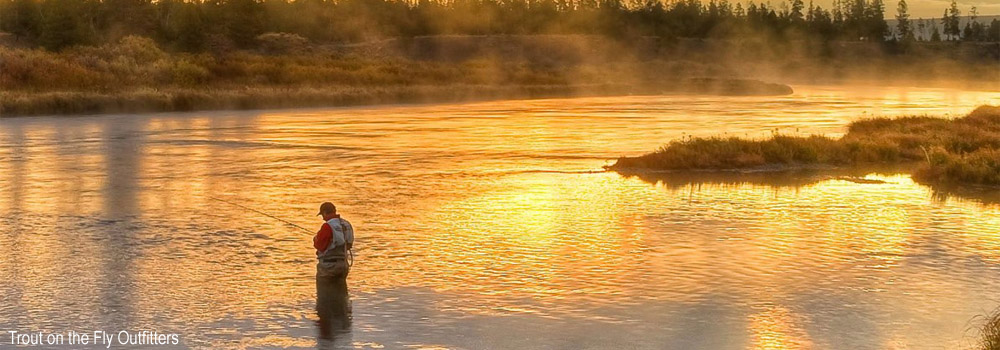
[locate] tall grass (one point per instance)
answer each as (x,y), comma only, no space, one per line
(964,150)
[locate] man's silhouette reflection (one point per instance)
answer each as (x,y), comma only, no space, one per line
(332,306)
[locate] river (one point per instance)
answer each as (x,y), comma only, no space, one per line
(487,225)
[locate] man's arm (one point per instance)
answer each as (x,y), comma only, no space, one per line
(322,239)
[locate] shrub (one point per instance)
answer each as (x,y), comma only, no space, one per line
(282,43)
(137,49)
(186,73)
(980,167)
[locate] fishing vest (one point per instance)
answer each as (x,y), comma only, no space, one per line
(342,233)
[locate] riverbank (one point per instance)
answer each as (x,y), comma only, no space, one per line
(964,150)
(147,100)
(135,76)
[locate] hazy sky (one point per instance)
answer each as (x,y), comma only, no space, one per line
(920,8)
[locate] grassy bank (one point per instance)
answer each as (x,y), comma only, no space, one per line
(236,98)
(135,75)
(964,150)
(140,100)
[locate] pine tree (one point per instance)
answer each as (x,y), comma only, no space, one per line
(191,28)
(922,29)
(838,13)
(993,33)
(23,18)
(876,28)
(243,20)
(951,20)
(796,13)
(62,25)
(855,21)
(857,12)
(903,26)
(978,29)
(128,17)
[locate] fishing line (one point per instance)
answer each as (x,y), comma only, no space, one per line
(350,252)
(263,213)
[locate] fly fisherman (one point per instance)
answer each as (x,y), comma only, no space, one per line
(332,243)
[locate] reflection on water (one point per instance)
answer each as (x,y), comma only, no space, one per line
(776,328)
(485,226)
(333,309)
(793,179)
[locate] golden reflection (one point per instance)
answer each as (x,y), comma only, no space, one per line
(984,243)
(533,227)
(40,178)
(776,328)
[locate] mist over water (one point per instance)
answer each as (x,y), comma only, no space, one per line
(487,225)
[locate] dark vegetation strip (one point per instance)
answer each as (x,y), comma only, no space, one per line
(195,26)
(135,75)
(167,100)
(84,56)
(14,104)
(964,150)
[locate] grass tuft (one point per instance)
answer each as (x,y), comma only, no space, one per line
(989,331)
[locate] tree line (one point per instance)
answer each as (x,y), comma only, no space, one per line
(199,25)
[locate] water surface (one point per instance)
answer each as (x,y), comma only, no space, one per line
(488,225)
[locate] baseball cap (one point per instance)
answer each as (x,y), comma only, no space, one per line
(327,207)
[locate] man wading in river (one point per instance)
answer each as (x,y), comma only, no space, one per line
(333,243)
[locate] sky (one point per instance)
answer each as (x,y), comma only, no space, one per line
(920,8)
